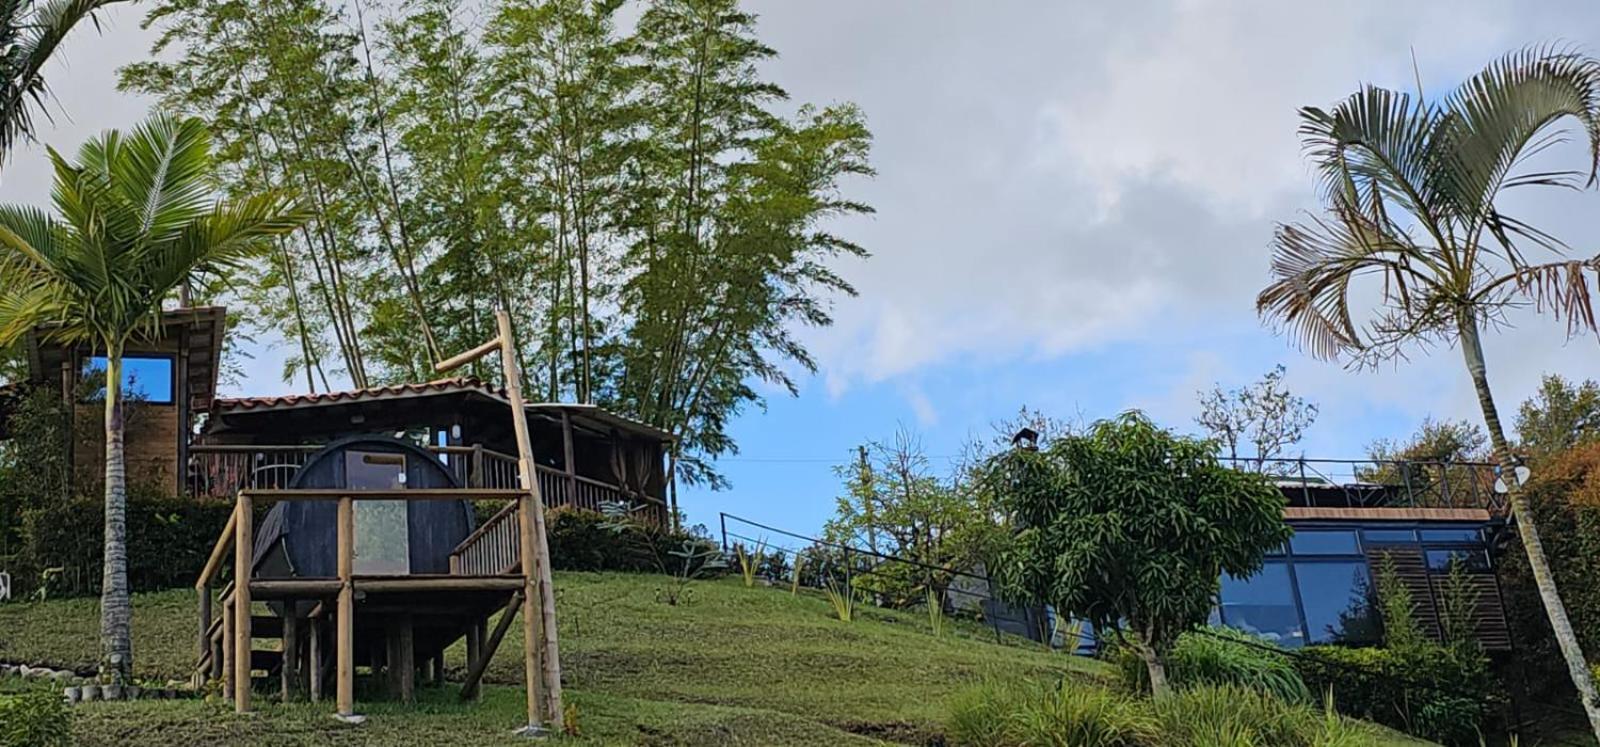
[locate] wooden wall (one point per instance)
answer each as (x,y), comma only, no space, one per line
(150,443)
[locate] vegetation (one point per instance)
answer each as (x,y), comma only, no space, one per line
(654,214)
(1264,415)
(34,719)
(1131,528)
(1410,189)
(1222,656)
(1007,714)
(778,670)
(137,223)
(895,505)
(31,31)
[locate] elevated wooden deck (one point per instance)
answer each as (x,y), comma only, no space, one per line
(396,626)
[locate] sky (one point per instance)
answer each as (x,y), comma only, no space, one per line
(1074,201)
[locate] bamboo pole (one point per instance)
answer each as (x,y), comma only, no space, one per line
(542,655)
(289,672)
(345,645)
(242,551)
(476,667)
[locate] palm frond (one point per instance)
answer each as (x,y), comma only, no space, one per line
(31,31)
(1378,137)
(1501,117)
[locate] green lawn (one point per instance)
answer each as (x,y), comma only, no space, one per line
(733,666)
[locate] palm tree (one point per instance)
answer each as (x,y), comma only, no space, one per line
(1411,223)
(136,221)
(30,32)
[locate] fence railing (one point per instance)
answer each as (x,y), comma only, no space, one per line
(1380,483)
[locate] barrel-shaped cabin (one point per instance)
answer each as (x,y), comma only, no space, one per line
(299,538)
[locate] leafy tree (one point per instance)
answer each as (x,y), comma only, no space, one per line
(137,220)
(1131,528)
(895,505)
(1411,189)
(30,33)
(1560,416)
(1265,415)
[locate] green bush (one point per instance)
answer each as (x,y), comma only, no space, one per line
(1221,656)
(36,719)
(585,541)
(169,540)
(1433,692)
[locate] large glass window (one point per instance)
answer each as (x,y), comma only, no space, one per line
(1465,534)
(1389,536)
(1324,542)
(1474,560)
(1337,600)
(1263,604)
(146,380)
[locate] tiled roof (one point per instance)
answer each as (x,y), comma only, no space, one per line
(238,405)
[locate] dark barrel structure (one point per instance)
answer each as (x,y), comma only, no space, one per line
(300,538)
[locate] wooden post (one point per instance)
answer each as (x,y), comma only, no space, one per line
(477,479)
(289,672)
(204,591)
(438,669)
(404,663)
(569,461)
(345,645)
(225,648)
(542,660)
(476,667)
(243,550)
(474,643)
(314,659)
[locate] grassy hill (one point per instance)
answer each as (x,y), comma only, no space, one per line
(731,666)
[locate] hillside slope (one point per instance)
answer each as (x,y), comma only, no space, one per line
(731,666)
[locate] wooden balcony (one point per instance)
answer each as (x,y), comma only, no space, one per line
(222,471)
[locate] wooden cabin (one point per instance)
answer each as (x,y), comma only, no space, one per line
(182,438)
(171,380)
(369,554)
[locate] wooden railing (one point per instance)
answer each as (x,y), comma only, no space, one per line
(221,471)
(494,548)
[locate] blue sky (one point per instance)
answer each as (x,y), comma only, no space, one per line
(1074,206)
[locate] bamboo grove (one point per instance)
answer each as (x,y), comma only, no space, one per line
(619,176)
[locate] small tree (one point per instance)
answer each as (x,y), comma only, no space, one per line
(1131,528)
(1265,415)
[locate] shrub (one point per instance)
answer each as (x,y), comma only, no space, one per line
(1230,715)
(1429,691)
(35,719)
(1221,656)
(169,539)
(587,541)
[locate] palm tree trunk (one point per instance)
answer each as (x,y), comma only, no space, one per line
(116,610)
(1538,564)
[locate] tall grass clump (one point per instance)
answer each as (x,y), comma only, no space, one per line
(936,620)
(1222,656)
(843,600)
(1012,714)
(750,562)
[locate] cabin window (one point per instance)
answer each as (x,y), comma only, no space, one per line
(1337,600)
(1389,536)
(145,379)
(1263,604)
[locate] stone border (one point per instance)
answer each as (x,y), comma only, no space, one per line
(78,689)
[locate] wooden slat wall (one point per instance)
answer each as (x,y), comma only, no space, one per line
(1489,620)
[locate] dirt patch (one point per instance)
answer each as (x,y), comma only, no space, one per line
(896,732)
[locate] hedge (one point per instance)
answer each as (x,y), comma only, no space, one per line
(1435,692)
